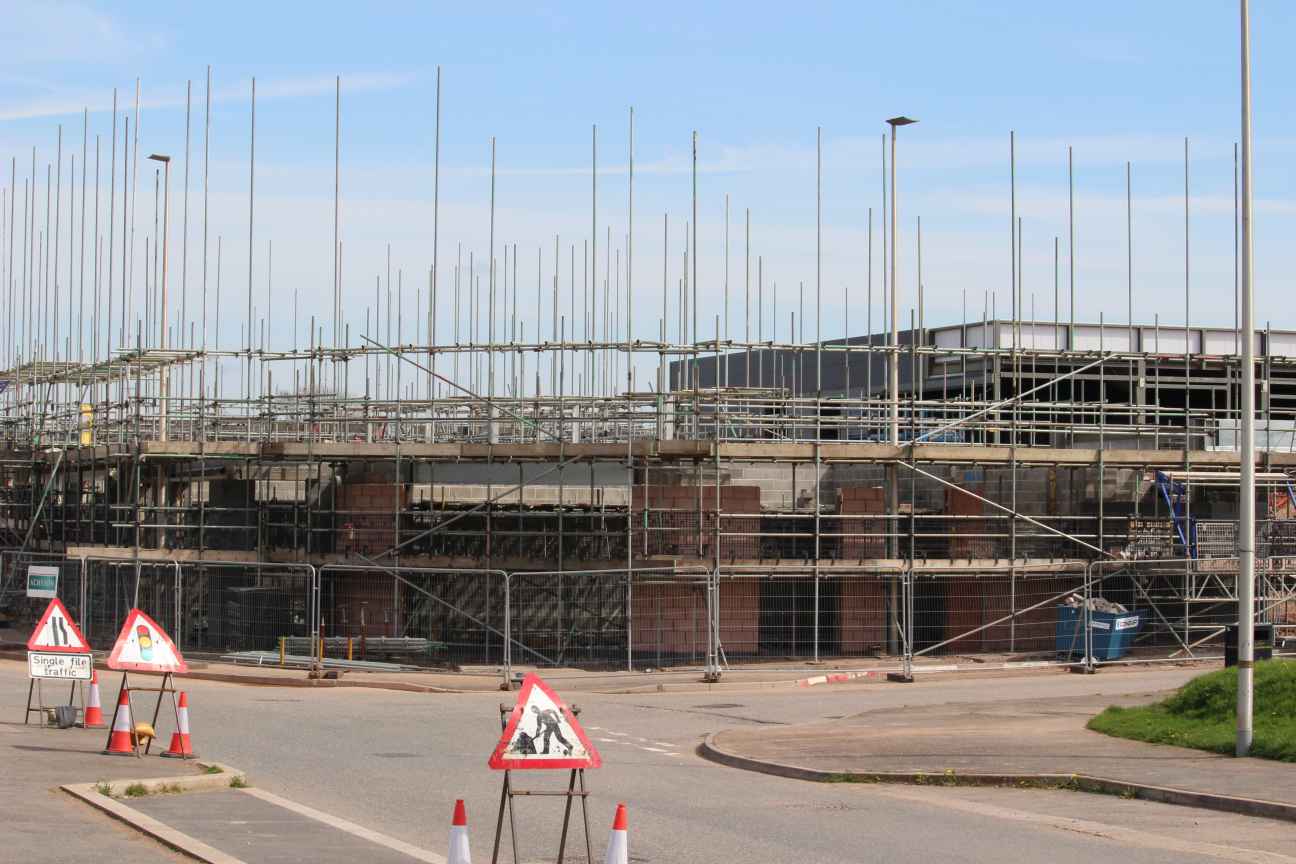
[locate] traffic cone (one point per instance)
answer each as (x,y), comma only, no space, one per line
(459,836)
(618,850)
(93,710)
(180,743)
(119,740)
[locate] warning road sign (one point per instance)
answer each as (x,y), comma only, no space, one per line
(542,732)
(56,631)
(143,646)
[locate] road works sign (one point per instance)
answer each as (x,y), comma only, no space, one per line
(42,581)
(542,732)
(143,646)
(57,632)
(68,667)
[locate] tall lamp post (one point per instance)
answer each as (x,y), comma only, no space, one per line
(893,371)
(164,385)
(1246,492)
(893,396)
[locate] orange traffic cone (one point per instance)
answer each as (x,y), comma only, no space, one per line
(94,710)
(459,836)
(618,850)
(180,743)
(119,740)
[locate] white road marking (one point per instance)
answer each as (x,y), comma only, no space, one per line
(349,827)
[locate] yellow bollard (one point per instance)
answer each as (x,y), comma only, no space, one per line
(283,651)
(350,648)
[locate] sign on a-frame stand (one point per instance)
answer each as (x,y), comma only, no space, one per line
(56,650)
(541,732)
(143,646)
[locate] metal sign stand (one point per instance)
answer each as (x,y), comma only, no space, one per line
(36,685)
(575,779)
(167,686)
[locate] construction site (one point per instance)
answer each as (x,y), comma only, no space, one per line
(478,495)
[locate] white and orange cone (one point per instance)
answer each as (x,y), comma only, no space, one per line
(181,746)
(618,850)
(459,853)
(119,740)
(94,709)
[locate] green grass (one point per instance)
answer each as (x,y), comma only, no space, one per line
(1203,714)
(104,788)
(238,781)
(136,790)
(213,769)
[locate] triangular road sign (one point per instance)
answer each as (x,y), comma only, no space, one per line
(56,631)
(143,646)
(542,732)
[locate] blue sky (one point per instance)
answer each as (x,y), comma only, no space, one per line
(1117,81)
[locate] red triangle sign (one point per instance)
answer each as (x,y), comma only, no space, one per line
(56,631)
(542,732)
(143,646)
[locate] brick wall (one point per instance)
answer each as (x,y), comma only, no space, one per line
(861,499)
(366,512)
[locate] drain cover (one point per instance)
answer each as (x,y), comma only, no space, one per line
(720,705)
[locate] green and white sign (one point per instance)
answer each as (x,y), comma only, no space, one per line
(42,581)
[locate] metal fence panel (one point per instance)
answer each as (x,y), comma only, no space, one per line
(25,611)
(243,606)
(411,615)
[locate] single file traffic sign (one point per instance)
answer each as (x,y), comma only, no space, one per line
(56,631)
(542,732)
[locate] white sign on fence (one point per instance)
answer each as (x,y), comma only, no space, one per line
(42,581)
(69,667)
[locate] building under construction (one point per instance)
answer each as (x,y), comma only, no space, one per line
(762,501)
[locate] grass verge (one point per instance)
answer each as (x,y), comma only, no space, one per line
(1203,714)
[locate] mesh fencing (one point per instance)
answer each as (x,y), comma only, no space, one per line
(1169,610)
(414,616)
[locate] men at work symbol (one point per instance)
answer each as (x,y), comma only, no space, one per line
(549,725)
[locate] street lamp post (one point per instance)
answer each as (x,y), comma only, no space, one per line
(893,371)
(164,384)
(893,395)
(1246,492)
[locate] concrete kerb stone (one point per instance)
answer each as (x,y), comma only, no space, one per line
(179,841)
(709,750)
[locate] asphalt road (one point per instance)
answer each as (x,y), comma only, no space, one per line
(396,761)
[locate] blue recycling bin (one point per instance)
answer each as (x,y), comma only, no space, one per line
(1112,633)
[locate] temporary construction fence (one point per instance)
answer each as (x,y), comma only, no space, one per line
(732,618)
(14,566)
(414,615)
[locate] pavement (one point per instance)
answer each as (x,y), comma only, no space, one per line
(392,763)
(251,826)
(1012,741)
(50,826)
